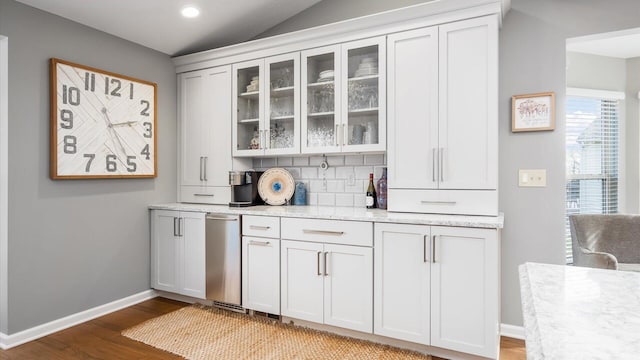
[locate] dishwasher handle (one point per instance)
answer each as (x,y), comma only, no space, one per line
(213,217)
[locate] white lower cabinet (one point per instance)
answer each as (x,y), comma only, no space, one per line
(438,286)
(325,282)
(178,252)
(261,263)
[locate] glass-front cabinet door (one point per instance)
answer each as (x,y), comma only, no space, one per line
(364,95)
(248,108)
(321,127)
(282,108)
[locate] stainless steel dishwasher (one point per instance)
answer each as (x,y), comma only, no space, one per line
(223,259)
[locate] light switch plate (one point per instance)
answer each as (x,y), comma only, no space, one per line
(532,177)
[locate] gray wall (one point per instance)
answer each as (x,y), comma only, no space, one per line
(596,72)
(532,59)
(75,244)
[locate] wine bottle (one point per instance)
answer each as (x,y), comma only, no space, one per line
(371,194)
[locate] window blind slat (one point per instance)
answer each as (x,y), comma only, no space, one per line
(592,159)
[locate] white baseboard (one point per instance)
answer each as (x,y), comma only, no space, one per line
(9,341)
(512,331)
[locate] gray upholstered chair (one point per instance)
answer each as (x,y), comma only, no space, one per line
(606,241)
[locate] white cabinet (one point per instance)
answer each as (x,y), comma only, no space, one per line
(325,282)
(266,103)
(178,252)
(344,97)
(438,286)
(443,87)
(261,263)
(205,128)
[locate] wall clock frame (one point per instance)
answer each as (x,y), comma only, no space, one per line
(103,124)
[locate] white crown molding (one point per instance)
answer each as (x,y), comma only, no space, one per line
(411,17)
(9,341)
(512,331)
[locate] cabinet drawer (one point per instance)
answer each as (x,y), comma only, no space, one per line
(263,226)
(205,194)
(461,202)
(328,231)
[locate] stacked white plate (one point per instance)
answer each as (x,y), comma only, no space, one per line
(254,85)
(326,75)
(368,66)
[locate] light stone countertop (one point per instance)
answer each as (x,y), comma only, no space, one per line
(580,313)
(344,213)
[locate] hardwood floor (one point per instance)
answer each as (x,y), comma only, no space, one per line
(100,338)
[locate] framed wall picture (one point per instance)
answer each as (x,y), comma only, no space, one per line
(533,112)
(103,125)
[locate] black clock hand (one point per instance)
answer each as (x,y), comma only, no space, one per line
(124,123)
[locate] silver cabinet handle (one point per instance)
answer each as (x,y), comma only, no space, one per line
(211,195)
(424,249)
(206,158)
(345,134)
(256,227)
(435,202)
(175,227)
(433,249)
(201,178)
(337,133)
(259,243)
(326,271)
(319,273)
(323,232)
(180,223)
(441,163)
(433,164)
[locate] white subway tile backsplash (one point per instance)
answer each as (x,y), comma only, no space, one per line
(359,200)
(312,198)
(329,173)
(315,160)
(257,163)
(335,160)
(377,159)
(357,187)
(268,162)
(309,173)
(344,199)
(344,172)
(295,172)
(327,199)
(335,186)
(354,160)
(362,172)
(301,161)
(317,186)
(285,161)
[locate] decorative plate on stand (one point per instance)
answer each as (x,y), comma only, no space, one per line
(276,186)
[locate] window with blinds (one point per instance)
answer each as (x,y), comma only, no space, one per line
(592,159)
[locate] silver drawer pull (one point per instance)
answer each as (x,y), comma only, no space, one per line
(259,227)
(203,195)
(221,218)
(259,243)
(323,232)
(438,202)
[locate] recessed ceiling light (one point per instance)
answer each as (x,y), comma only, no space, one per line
(190,11)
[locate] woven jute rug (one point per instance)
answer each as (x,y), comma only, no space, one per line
(209,333)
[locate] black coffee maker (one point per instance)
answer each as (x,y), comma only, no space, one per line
(244,188)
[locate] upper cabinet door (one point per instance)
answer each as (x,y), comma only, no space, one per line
(282,108)
(321,127)
(192,111)
(363,83)
(248,108)
(216,127)
(468,141)
(413,109)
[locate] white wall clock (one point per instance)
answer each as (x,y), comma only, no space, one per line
(103,125)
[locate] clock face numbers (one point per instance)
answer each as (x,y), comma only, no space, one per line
(104,124)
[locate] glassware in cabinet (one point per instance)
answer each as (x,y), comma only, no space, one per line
(283,107)
(248,104)
(321,87)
